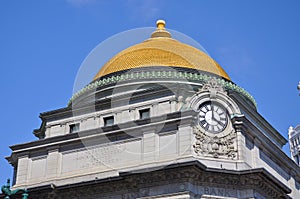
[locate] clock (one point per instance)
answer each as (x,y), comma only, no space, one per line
(212,117)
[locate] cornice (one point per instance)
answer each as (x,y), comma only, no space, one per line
(169,119)
(188,174)
(187,76)
(269,147)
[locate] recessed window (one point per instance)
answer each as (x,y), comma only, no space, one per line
(74,128)
(108,121)
(144,113)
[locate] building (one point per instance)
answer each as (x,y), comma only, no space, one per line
(294,141)
(161,119)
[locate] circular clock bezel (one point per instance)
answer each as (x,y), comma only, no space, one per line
(213,117)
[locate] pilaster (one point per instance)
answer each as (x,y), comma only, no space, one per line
(150,146)
(173,104)
(185,140)
(239,128)
(23,168)
(154,111)
(53,163)
(255,154)
(118,116)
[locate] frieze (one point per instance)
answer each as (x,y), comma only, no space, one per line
(99,156)
(175,180)
(168,75)
(215,191)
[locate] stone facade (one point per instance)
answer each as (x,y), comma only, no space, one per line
(165,156)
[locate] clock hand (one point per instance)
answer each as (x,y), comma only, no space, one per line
(213,115)
(212,110)
(219,122)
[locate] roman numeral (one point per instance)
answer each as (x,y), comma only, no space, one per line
(203,122)
(203,109)
(206,127)
(216,128)
(201,113)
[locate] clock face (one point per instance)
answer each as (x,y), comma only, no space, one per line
(212,117)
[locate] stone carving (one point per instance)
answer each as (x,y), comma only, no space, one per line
(212,85)
(196,180)
(217,146)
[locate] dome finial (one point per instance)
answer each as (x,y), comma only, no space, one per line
(160,24)
(160,30)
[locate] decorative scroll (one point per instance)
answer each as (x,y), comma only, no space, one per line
(215,146)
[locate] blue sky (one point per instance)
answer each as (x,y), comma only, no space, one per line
(43,43)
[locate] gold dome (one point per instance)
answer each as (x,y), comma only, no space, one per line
(161,50)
